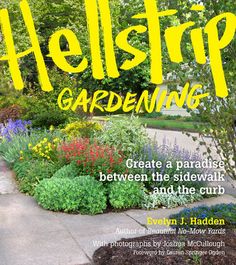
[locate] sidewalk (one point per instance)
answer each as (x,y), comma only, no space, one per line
(30,235)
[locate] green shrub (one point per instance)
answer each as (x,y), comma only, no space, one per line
(30,173)
(82,194)
(219,211)
(58,194)
(67,171)
(126,134)
(14,97)
(125,194)
(153,115)
(45,119)
(93,194)
(84,129)
(173,117)
(44,115)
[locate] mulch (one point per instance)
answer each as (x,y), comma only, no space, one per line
(130,252)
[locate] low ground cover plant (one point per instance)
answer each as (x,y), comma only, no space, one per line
(219,211)
(153,201)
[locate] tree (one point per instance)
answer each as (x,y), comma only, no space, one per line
(217,114)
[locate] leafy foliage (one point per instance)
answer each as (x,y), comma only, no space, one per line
(93,194)
(83,194)
(30,173)
(125,194)
(126,134)
(153,201)
(67,171)
(58,194)
(45,115)
(84,129)
(217,114)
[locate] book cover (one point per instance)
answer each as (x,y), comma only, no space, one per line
(117,132)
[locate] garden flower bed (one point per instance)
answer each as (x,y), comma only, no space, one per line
(60,167)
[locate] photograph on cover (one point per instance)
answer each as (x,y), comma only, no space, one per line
(117,132)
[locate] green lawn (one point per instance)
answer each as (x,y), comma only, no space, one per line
(177,125)
(168,124)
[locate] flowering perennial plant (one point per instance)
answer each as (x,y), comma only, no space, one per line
(11,128)
(220,211)
(45,149)
(92,158)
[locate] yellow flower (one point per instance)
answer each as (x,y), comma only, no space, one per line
(51,128)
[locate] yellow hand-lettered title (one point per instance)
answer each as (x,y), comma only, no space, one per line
(173,39)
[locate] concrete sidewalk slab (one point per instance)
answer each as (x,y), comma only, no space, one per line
(91,232)
(7,181)
(31,235)
(20,215)
(42,248)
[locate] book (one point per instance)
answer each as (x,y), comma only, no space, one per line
(117,119)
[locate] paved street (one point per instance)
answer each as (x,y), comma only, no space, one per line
(181,139)
(186,142)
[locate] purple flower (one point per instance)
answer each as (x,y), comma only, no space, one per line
(14,127)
